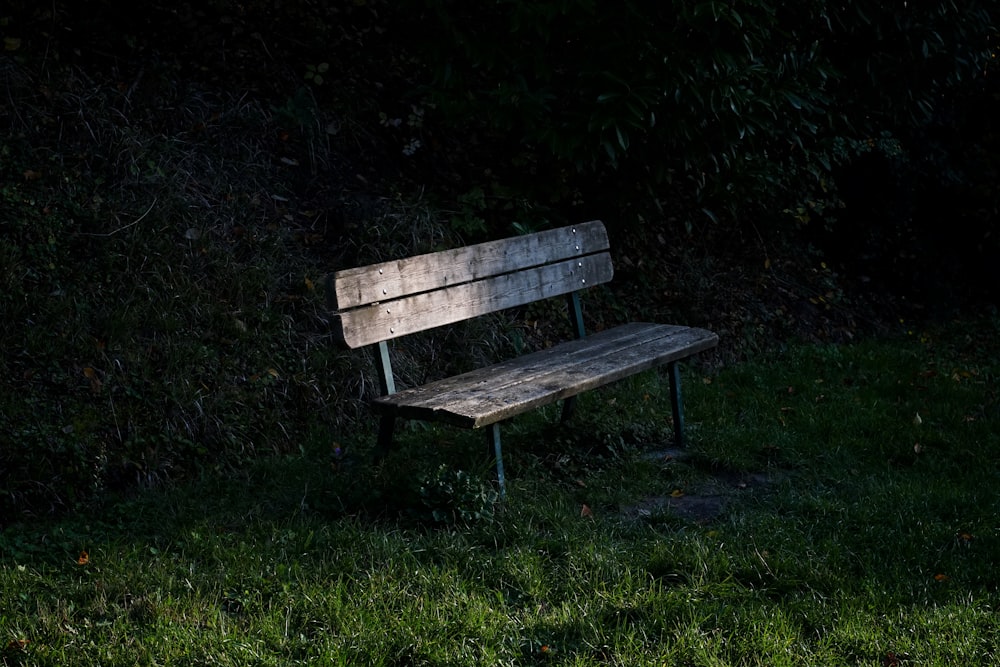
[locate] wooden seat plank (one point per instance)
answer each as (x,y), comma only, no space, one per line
(486,396)
(514,371)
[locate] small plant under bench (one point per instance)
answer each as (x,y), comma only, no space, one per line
(384,301)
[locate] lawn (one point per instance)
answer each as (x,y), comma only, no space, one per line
(836,505)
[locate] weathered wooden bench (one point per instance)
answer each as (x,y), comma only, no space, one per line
(381,302)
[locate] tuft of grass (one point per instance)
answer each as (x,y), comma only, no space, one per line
(852,533)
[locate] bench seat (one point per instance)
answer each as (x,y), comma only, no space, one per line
(488,395)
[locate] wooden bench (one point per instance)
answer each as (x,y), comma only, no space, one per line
(381,302)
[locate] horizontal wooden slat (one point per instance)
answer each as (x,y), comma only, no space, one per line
(491,394)
(399,317)
(364,285)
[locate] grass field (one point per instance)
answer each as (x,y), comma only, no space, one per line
(837,505)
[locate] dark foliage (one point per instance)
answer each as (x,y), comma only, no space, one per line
(756,113)
(175,178)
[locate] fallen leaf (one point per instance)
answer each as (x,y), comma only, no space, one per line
(83,559)
(586,511)
(917,421)
(941,577)
(17,644)
(676,493)
(95,381)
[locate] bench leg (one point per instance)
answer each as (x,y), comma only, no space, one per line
(676,404)
(568,407)
(493,444)
(386,427)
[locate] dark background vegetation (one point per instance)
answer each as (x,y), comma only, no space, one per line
(177,178)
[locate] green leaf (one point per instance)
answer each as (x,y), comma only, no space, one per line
(793,99)
(623,140)
(609,148)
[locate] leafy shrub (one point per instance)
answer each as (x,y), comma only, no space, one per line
(748,105)
(160,307)
(449,496)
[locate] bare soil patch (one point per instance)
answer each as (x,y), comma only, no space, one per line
(704,502)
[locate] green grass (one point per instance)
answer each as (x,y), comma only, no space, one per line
(862,536)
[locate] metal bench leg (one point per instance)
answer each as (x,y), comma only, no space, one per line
(493,444)
(676,404)
(568,408)
(386,427)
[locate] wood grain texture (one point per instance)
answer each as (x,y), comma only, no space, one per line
(398,317)
(375,283)
(494,393)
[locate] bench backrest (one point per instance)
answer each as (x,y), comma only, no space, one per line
(391,299)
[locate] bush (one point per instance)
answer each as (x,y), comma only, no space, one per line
(750,106)
(449,496)
(158,290)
